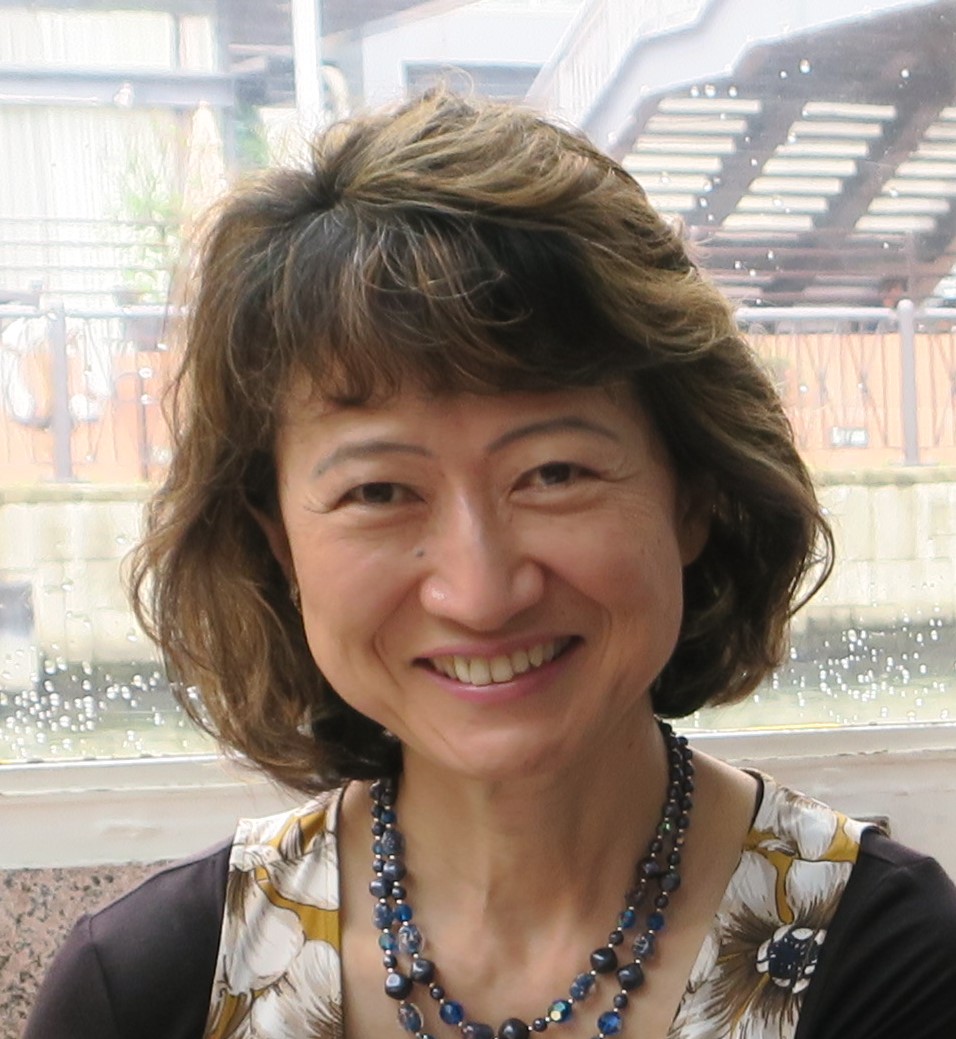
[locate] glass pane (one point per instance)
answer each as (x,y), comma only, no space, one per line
(817,186)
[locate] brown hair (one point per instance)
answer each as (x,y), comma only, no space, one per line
(464,246)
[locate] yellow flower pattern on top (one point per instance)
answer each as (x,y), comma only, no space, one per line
(278,972)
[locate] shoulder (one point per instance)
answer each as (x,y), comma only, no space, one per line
(888,967)
(143,965)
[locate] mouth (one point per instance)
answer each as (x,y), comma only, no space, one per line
(500,669)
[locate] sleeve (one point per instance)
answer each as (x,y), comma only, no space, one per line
(143,967)
(888,966)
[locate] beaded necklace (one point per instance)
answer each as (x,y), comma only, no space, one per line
(402,942)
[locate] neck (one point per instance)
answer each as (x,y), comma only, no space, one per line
(485,847)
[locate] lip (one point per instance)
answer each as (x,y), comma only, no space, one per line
(520,685)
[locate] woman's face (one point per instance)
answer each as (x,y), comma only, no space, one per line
(495,579)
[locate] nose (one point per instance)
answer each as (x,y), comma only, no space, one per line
(478,572)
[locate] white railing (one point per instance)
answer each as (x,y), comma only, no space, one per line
(595,45)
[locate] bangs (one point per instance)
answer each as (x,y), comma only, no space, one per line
(369,303)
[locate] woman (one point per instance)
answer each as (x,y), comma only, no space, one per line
(474,481)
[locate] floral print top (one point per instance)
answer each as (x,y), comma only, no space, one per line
(278,971)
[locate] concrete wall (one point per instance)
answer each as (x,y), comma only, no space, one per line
(895,530)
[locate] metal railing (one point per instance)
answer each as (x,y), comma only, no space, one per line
(80,389)
(79,393)
(863,386)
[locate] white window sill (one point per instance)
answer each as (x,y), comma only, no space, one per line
(96,812)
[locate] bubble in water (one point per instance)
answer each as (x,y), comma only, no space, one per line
(804,65)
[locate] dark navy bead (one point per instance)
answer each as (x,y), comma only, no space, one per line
(674,858)
(477,1030)
(379,888)
(387,816)
(392,842)
(670,881)
(651,868)
(390,960)
(662,901)
(581,986)
(539,1024)
(643,946)
(683,822)
(377,847)
(378,864)
(620,1001)
(409,1017)
(451,1012)
(655,922)
(630,976)
(382,916)
(378,829)
(609,1023)
(604,960)
(436,992)
(386,794)
(398,891)
(387,942)
(392,870)
(560,1010)
(404,912)
(513,1028)
(615,937)
(422,970)
(397,985)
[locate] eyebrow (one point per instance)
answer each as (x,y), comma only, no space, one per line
(368,448)
(552,425)
(364,449)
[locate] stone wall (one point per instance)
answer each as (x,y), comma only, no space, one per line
(61,552)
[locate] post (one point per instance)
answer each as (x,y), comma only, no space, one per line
(906,322)
(60,421)
(307,61)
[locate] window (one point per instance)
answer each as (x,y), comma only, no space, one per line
(817,184)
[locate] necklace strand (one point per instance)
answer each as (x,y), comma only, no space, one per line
(402,943)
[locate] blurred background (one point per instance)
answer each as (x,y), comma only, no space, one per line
(807,148)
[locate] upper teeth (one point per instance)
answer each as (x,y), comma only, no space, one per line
(490,670)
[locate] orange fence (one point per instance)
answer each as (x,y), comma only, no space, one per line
(80,390)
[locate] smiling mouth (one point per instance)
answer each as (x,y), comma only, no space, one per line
(496,670)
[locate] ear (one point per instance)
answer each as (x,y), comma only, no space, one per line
(695,508)
(274,530)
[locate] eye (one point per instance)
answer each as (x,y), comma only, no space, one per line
(378,493)
(556,474)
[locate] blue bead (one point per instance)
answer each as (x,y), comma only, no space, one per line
(627,919)
(513,1028)
(403,912)
(381,916)
(379,888)
(643,946)
(560,1010)
(377,847)
(581,986)
(655,922)
(409,1017)
(451,1012)
(410,939)
(539,1024)
(387,816)
(387,942)
(609,1023)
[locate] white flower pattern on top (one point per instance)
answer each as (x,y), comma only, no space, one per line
(278,972)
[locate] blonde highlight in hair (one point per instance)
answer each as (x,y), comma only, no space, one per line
(459,246)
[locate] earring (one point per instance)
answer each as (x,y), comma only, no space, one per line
(294,594)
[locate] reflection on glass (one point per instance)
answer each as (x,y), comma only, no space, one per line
(817,187)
